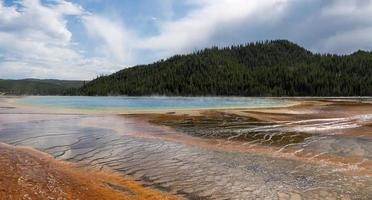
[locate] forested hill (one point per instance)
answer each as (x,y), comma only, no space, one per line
(38,86)
(271,68)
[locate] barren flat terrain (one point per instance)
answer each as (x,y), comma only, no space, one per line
(313,149)
(29,174)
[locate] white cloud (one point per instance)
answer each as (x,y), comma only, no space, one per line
(336,26)
(196,28)
(346,41)
(116,41)
(7,14)
(35,40)
(354,8)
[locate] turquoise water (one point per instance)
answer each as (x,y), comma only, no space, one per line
(147,103)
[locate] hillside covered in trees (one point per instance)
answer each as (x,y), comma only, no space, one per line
(270,68)
(38,86)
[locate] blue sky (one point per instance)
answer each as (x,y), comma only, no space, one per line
(81,39)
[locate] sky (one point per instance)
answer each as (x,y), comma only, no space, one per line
(82,39)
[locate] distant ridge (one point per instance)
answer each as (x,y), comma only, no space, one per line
(269,68)
(38,86)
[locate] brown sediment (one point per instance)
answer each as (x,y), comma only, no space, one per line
(361,166)
(311,110)
(29,174)
(213,121)
(351,165)
(195,125)
(321,109)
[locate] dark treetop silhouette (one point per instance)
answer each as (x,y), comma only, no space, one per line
(269,68)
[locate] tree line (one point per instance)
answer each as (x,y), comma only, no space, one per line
(265,68)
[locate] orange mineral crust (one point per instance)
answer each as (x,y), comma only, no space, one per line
(28,174)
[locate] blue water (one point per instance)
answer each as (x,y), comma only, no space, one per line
(147,103)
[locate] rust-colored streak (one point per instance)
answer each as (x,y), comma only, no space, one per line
(28,174)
